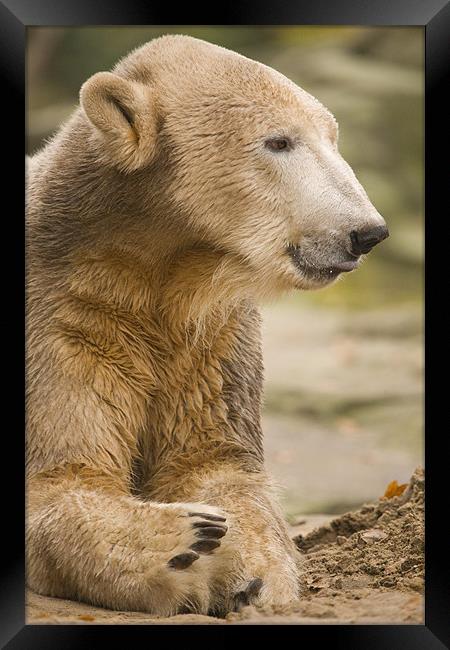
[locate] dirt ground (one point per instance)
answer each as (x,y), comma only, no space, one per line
(365,566)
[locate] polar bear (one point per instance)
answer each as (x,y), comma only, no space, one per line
(190,184)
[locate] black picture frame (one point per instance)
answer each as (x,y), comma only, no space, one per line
(15,17)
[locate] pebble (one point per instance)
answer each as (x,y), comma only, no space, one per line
(373,535)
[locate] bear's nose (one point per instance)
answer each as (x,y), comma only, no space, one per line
(364,240)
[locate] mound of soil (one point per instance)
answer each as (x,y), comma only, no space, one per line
(364,567)
(381,545)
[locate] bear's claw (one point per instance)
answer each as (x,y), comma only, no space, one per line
(205,545)
(210,529)
(214,532)
(183,560)
(206,515)
(245,596)
(210,524)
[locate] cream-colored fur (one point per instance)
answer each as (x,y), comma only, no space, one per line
(157,219)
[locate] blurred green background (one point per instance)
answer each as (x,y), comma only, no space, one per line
(344,368)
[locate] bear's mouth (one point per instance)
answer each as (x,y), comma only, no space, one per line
(317,272)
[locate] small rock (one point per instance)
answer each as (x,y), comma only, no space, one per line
(408,564)
(316,584)
(373,535)
(389,581)
(371,569)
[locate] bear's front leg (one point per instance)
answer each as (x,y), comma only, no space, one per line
(263,561)
(110,549)
(257,562)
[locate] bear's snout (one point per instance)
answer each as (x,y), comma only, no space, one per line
(362,241)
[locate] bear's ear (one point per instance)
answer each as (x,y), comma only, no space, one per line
(124,114)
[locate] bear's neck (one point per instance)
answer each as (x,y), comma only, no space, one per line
(88,205)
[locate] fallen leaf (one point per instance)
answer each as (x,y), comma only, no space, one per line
(394,490)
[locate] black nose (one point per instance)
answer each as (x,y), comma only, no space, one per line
(364,240)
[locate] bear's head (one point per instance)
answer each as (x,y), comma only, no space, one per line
(250,160)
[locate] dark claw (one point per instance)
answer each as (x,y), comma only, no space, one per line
(205,545)
(205,515)
(240,600)
(243,598)
(182,561)
(215,532)
(206,524)
(254,587)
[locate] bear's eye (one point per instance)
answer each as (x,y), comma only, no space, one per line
(278,144)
